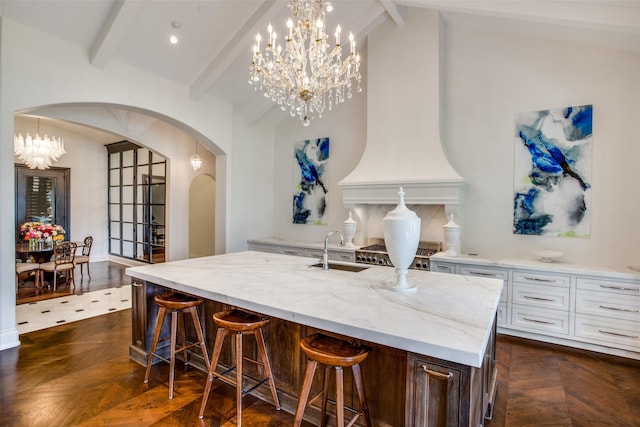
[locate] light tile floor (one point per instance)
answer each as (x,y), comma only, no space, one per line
(52,312)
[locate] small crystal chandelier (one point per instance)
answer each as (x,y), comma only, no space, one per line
(305,76)
(38,152)
(196,161)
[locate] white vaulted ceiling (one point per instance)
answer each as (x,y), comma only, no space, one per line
(216,36)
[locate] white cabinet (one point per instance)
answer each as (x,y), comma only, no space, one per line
(608,312)
(571,305)
(309,250)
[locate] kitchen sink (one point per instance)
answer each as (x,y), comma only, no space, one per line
(344,267)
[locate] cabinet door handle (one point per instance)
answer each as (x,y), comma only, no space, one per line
(538,321)
(626,310)
(538,279)
(635,337)
(436,373)
(620,288)
(482,273)
(539,299)
(137,284)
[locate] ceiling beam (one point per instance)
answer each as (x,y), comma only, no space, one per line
(113,31)
(393,11)
(237,45)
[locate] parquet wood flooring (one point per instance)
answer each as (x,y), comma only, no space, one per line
(80,374)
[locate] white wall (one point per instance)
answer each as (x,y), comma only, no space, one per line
(492,76)
(251,203)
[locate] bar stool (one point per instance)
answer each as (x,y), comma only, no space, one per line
(238,323)
(176,303)
(337,354)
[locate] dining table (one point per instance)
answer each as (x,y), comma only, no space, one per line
(40,253)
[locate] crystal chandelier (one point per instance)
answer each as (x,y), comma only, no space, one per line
(38,152)
(306,75)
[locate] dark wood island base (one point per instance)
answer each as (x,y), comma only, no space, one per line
(403,388)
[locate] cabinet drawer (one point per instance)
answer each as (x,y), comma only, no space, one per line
(608,305)
(293,251)
(443,268)
(540,319)
(602,285)
(342,256)
(264,248)
(494,273)
(541,278)
(541,296)
(620,333)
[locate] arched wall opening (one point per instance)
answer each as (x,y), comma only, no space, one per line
(167,136)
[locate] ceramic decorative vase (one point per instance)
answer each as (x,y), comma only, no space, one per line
(401,237)
(349,231)
(451,236)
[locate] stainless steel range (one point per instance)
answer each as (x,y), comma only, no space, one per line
(377,254)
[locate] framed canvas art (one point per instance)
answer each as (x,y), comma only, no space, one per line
(309,181)
(552,172)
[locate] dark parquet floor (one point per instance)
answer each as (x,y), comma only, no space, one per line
(80,374)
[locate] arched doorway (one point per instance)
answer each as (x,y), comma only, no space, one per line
(202,205)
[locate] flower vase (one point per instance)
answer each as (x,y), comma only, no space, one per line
(401,237)
(451,236)
(349,231)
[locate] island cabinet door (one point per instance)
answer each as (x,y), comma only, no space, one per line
(433,399)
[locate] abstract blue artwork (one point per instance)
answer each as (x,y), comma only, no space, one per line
(310,188)
(552,173)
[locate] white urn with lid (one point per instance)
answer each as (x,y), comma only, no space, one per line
(401,237)
(451,236)
(350,226)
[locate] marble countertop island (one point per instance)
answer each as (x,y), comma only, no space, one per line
(448,316)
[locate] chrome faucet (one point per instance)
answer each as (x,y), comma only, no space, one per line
(325,256)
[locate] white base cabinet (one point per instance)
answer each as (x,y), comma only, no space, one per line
(310,250)
(578,306)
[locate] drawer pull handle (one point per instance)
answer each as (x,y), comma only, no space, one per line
(538,279)
(436,373)
(482,273)
(620,288)
(137,284)
(539,299)
(538,321)
(626,310)
(635,337)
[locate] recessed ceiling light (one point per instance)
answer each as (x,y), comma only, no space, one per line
(173,39)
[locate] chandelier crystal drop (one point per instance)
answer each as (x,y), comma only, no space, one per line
(308,74)
(38,152)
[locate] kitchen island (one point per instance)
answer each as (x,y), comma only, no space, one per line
(434,347)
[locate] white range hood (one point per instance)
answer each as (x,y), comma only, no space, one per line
(403,145)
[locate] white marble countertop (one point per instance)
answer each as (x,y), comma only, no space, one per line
(448,316)
(615,272)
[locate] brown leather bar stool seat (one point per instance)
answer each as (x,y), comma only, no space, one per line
(334,354)
(237,322)
(176,303)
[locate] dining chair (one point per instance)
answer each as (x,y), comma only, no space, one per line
(63,262)
(27,267)
(83,258)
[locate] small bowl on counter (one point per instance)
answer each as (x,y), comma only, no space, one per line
(546,255)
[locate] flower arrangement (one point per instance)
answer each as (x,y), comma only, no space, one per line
(40,230)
